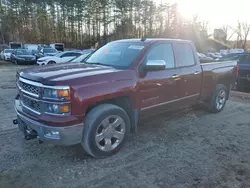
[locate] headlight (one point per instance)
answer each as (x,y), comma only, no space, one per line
(59,94)
(57,109)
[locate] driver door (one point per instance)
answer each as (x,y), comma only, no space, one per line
(159,87)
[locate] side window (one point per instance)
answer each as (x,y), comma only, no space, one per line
(75,54)
(66,54)
(71,54)
(185,54)
(163,52)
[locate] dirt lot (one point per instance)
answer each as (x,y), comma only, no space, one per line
(190,149)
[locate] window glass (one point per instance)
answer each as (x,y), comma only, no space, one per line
(70,54)
(185,54)
(244,59)
(116,54)
(163,52)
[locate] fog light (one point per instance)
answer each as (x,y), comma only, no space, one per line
(52,134)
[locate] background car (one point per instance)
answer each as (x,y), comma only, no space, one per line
(214,55)
(80,59)
(88,51)
(203,58)
(62,57)
(230,57)
(6,54)
(22,56)
(47,52)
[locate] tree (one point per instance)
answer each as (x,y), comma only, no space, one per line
(85,23)
(243,30)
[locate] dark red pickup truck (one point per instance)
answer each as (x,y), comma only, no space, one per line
(98,102)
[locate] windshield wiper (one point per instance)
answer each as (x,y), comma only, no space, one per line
(95,63)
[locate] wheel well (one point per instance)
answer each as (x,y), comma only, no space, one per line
(126,104)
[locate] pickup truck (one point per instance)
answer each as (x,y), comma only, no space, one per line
(97,103)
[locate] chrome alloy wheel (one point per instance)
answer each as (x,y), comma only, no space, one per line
(220,99)
(110,133)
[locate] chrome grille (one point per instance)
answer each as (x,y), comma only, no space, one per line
(31,104)
(29,88)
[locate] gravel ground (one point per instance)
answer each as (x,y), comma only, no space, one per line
(188,149)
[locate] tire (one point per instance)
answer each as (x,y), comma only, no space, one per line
(218,101)
(96,120)
(51,62)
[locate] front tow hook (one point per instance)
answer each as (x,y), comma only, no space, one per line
(15,121)
(30,134)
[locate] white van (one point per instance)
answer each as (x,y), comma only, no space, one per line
(58,46)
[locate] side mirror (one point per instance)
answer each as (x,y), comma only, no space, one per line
(154,65)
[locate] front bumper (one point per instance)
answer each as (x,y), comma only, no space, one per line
(68,135)
(26,62)
(41,63)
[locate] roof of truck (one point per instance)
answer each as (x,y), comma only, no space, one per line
(151,40)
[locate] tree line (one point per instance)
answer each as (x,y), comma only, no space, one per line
(86,23)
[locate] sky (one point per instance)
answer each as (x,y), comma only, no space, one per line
(216,12)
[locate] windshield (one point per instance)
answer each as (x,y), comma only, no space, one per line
(79,59)
(23,52)
(120,55)
(49,50)
(8,51)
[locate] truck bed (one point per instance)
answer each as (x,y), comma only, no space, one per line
(214,73)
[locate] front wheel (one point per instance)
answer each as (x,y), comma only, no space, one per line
(106,129)
(218,100)
(51,62)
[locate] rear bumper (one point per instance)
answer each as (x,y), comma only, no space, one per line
(68,135)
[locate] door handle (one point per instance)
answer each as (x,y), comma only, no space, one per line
(175,76)
(197,72)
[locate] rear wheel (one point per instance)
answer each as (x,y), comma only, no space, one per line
(218,100)
(105,131)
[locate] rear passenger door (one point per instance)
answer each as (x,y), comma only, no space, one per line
(190,73)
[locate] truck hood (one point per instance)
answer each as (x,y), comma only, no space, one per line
(64,73)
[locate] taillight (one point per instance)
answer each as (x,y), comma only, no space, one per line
(237,70)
